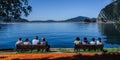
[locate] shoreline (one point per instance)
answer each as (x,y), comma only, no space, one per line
(59,22)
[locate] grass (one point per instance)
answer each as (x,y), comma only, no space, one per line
(33,52)
(66,50)
(113,49)
(71,50)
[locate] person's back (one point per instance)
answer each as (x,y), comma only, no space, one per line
(85,42)
(77,41)
(43,42)
(19,42)
(92,42)
(99,41)
(26,42)
(35,41)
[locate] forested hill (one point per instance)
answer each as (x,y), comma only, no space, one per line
(75,19)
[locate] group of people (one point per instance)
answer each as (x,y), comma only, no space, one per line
(77,41)
(35,41)
(85,41)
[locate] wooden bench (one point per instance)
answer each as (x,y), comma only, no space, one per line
(88,47)
(22,48)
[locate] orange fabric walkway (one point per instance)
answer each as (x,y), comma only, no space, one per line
(57,56)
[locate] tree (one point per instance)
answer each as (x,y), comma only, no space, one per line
(14,8)
(87,20)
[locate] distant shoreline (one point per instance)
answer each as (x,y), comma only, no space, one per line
(58,22)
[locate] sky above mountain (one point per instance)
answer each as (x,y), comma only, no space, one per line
(65,9)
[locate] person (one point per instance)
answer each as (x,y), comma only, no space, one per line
(26,42)
(85,42)
(44,42)
(92,42)
(35,41)
(19,42)
(99,41)
(77,41)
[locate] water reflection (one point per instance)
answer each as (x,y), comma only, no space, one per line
(112,34)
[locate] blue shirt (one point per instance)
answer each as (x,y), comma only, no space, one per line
(84,43)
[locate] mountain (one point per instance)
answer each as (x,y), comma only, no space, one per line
(80,19)
(75,19)
(43,21)
(14,20)
(110,13)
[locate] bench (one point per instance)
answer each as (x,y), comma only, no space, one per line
(22,48)
(88,47)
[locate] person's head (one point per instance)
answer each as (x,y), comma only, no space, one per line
(85,38)
(36,37)
(43,39)
(93,39)
(19,39)
(77,39)
(99,39)
(26,40)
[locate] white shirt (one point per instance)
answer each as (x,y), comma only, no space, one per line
(92,43)
(76,42)
(26,43)
(35,42)
(99,43)
(43,43)
(18,42)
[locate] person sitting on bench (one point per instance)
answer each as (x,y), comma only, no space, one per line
(44,42)
(92,42)
(77,41)
(26,42)
(35,41)
(85,42)
(19,42)
(99,41)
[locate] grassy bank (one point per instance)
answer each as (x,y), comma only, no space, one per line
(62,50)
(71,50)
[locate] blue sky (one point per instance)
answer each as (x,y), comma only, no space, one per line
(65,9)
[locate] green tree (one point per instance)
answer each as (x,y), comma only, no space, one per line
(87,20)
(14,8)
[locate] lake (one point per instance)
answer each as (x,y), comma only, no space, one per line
(58,35)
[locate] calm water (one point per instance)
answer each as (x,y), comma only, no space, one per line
(58,35)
